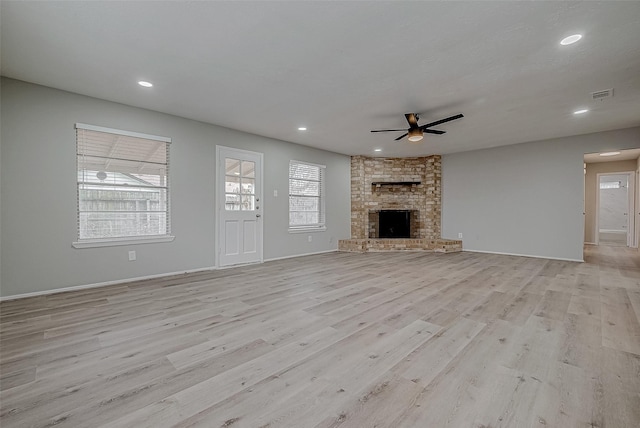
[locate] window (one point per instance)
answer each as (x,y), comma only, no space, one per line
(306,196)
(239,185)
(609,185)
(123,186)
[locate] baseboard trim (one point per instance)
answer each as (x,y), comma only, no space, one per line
(301,255)
(590,243)
(240,265)
(102,284)
(524,255)
(210,268)
(142,278)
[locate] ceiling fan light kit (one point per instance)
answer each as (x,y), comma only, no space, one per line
(415,135)
(416,132)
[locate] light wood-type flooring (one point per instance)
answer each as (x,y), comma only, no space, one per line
(336,340)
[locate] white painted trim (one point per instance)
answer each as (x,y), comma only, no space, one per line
(112,242)
(631,204)
(636,213)
(142,278)
(525,255)
(239,265)
(104,284)
(301,255)
(590,243)
(122,132)
(307,229)
(596,226)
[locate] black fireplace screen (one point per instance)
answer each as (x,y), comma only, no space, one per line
(394,224)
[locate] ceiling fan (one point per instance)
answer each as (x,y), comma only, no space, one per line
(415,131)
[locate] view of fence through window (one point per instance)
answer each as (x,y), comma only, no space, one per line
(306,207)
(240,185)
(123,186)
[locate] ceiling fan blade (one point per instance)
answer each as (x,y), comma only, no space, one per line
(438,122)
(412,118)
(402,136)
(433,131)
(388,130)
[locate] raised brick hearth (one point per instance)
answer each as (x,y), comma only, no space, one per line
(373,245)
(413,184)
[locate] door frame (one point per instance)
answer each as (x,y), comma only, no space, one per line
(636,213)
(219,205)
(631,226)
(631,191)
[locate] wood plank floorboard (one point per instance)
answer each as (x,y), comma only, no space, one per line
(401,339)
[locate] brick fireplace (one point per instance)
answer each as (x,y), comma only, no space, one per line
(386,187)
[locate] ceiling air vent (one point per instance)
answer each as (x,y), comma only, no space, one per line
(602,95)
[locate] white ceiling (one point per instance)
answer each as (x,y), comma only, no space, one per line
(624,155)
(343,68)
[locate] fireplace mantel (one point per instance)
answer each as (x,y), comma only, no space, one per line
(395,183)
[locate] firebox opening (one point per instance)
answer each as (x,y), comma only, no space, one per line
(395,224)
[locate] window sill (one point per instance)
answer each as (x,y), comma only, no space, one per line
(95,243)
(307,229)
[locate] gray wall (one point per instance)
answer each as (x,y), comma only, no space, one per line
(38,194)
(523,199)
(591,187)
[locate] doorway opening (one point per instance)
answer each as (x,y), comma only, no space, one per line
(614,216)
(612,198)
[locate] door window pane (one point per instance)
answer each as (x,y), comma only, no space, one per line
(248,186)
(232,184)
(232,166)
(240,180)
(232,202)
(248,169)
(248,203)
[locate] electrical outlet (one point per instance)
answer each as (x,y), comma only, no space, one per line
(460,235)
(132,256)
(275,193)
(310,238)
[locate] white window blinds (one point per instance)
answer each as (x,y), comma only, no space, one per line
(306,195)
(123,184)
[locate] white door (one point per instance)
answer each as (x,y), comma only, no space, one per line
(239,203)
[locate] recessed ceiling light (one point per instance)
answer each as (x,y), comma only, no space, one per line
(571,39)
(377,150)
(609,154)
(145,83)
(584,110)
(302,128)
